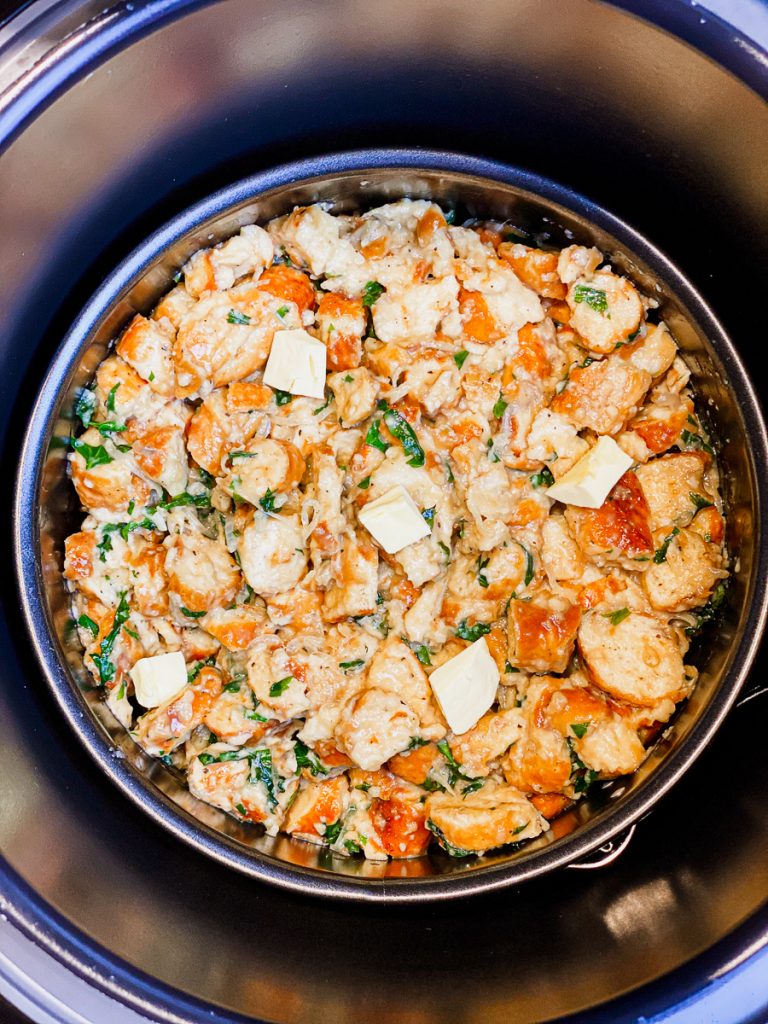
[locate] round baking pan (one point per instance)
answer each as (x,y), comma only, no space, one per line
(46,511)
(126,114)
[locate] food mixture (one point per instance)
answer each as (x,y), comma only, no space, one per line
(397,531)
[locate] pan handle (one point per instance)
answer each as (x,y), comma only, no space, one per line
(607,853)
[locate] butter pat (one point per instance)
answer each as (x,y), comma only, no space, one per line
(394,520)
(588,482)
(465,687)
(158,679)
(296,364)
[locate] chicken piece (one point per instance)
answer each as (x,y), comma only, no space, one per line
(201,572)
(147,346)
(374,726)
(355,392)
(612,748)
(103,476)
(536,268)
(433,380)
(540,762)
(415,765)
(660,423)
(354,588)
(605,310)
(341,324)
(413,312)
(603,395)
(236,628)
(263,467)
(654,352)
(123,395)
(225,337)
(164,728)
(216,427)
(148,577)
(327,487)
(272,553)
(234,717)
(174,306)
(487,741)
(317,806)
(397,669)
(667,484)
(217,269)
(400,827)
(161,455)
(561,556)
(576,261)
(79,555)
(542,634)
(620,530)
(468,597)
(638,659)
(289,284)
(686,577)
(493,816)
(220,784)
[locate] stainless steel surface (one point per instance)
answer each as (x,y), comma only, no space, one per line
(590,96)
(47,510)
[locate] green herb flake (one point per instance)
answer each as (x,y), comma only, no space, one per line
(401,429)
(283,397)
(428,515)
(450,849)
(94,455)
(196,669)
(191,615)
(323,407)
(263,771)
(616,617)
(499,407)
(332,832)
(374,438)
(352,666)
(530,566)
(233,687)
(87,623)
(305,758)
(579,729)
(241,810)
(268,501)
(661,554)
(234,316)
(372,291)
(348,378)
(352,847)
(278,689)
(365,483)
(85,405)
(482,563)
(700,501)
(460,357)
(421,651)
(472,787)
(595,298)
(102,659)
(543,478)
(110,402)
(473,632)
(283,312)
(691,440)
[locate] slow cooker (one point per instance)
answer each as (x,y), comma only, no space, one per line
(114,118)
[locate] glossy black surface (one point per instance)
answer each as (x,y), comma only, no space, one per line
(577,91)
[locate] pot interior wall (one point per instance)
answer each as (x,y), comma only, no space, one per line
(575,90)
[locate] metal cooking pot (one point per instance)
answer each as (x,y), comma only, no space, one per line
(593,98)
(47,511)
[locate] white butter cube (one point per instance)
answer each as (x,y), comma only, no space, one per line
(465,687)
(158,679)
(394,520)
(588,482)
(296,364)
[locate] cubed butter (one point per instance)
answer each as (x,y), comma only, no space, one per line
(465,687)
(158,679)
(296,364)
(589,482)
(394,520)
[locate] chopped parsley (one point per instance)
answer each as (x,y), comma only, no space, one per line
(579,729)
(94,455)
(499,407)
(321,408)
(234,316)
(581,776)
(365,483)
(691,440)
(352,847)
(233,687)
(661,554)
(110,402)
(482,563)
(197,668)
(283,397)
(530,566)
(473,632)
(372,291)
(282,312)
(616,617)
(191,615)
(708,612)
(543,478)
(700,501)
(278,689)
(102,659)
(305,758)
(595,298)
(332,832)
(459,357)
(422,652)
(348,378)
(428,515)
(450,849)
(352,666)
(262,770)
(374,438)
(185,498)
(268,501)
(85,404)
(401,429)
(87,623)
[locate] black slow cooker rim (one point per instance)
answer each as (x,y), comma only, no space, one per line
(115,26)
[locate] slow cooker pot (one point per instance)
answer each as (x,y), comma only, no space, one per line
(585,93)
